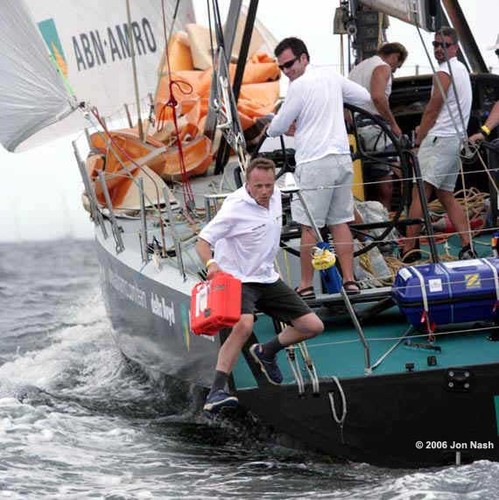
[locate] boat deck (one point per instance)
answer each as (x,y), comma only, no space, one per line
(394,348)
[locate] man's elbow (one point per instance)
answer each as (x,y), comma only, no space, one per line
(379,103)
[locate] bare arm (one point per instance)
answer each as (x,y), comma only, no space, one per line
(203,249)
(434,106)
(379,80)
(490,123)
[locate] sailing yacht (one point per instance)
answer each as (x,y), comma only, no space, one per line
(171,112)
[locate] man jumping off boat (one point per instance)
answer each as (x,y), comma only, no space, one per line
(245,235)
(313,113)
(375,75)
(439,139)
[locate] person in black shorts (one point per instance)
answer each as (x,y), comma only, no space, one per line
(243,240)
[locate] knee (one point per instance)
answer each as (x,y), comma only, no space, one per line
(244,327)
(313,327)
(317,326)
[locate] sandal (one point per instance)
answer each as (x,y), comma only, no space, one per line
(411,256)
(351,287)
(306,293)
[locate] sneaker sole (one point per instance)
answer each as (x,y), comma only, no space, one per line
(231,402)
(261,365)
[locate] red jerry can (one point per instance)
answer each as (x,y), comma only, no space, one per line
(215,304)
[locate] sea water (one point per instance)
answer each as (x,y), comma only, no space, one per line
(77,421)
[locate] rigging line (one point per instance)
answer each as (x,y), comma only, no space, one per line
(465,198)
(415,336)
(113,144)
(218,24)
(174,18)
(393,347)
(487,169)
(295,369)
(210,31)
(134,69)
(172,103)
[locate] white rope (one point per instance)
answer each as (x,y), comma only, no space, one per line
(291,355)
(310,367)
(341,420)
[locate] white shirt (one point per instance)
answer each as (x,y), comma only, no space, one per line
(362,74)
(315,101)
(246,236)
(444,126)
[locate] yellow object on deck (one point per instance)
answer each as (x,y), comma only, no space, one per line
(358,178)
(322,259)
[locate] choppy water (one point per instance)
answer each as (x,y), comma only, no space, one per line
(77,421)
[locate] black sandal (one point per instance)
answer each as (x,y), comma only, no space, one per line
(348,286)
(306,293)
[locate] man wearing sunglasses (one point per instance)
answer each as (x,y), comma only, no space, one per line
(313,112)
(439,138)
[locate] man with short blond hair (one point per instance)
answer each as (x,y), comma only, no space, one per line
(243,239)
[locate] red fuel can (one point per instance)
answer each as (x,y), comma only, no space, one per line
(215,304)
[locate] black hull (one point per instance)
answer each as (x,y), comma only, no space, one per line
(151,323)
(412,419)
(408,420)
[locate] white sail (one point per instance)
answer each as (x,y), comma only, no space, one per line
(32,96)
(414,12)
(89,41)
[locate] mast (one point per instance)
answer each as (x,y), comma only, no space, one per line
(366,26)
(224,148)
(466,38)
(134,69)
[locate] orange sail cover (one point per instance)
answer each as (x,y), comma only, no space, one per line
(190,87)
(121,154)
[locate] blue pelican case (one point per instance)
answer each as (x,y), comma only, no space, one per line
(450,292)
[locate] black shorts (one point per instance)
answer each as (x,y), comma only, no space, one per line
(274,299)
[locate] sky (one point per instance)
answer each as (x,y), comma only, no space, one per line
(40,190)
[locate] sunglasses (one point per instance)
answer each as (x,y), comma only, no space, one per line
(288,64)
(444,45)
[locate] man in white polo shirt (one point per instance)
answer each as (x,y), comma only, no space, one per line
(439,138)
(313,112)
(245,236)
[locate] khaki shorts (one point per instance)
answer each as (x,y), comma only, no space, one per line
(326,186)
(374,139)
(438,161)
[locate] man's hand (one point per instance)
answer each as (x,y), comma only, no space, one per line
(213,269)
(396,130)
(476,137)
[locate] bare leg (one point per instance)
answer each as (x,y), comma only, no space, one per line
(415,212)
(456,214)
(305,327)
(308,240)
(343,245)
(229,352)
(385,192)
